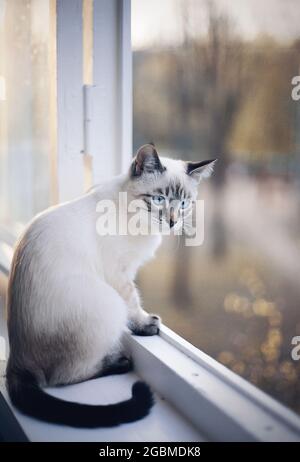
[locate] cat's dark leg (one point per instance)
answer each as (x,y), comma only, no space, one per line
(113,365)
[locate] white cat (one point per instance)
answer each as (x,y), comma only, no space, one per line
(72,294)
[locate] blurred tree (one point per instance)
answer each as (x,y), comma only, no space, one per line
(220,58)
(210,83)
(183,85)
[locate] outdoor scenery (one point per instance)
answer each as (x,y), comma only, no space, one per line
(214,79)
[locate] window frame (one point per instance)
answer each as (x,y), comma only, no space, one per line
(83,111)
(221,404)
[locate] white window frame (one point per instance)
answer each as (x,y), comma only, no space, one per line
(95,119)
(219,403)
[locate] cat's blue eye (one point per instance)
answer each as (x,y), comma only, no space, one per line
(185,203)
(158,200)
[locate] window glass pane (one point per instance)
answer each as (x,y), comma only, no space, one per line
(214,80)
(25,178)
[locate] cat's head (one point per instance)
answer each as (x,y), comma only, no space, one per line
(167,188)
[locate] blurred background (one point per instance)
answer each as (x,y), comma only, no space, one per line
(27,176)
(213,79)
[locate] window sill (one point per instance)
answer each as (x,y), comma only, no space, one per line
(197,399)
(163,424)
(219,403)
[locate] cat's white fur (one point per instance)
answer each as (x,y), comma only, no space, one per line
(75,283)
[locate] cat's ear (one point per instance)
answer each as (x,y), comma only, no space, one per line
(199,170)
(146,161)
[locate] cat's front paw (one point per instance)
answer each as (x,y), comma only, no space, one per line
(149,326)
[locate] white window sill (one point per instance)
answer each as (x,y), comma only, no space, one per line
(163,424)
(219,403)
(197,399)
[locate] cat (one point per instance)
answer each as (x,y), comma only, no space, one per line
(71,292)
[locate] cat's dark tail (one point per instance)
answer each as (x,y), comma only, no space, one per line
(30,399)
